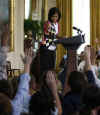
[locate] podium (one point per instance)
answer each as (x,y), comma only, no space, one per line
(71,44)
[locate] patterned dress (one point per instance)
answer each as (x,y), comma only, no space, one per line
(50,32)
(48,48)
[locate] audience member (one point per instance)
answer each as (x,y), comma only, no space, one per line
(91,101)
(46,101)
(72,100)
(3,52)
(5,105)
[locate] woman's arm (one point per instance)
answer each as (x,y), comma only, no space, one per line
(52,85)
(46,28)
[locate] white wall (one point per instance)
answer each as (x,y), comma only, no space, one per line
(51,3)
(14,57)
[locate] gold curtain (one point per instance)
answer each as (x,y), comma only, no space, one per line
(45,10)
(94,21)
(65,7)
(98,20)
(32,7)
(12,8)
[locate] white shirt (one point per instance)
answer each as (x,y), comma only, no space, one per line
(56,27)
(94,70)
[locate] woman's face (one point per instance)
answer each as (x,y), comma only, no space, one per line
(54,18)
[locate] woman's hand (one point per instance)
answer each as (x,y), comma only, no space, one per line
(87,52)
(27,60)
(51,81)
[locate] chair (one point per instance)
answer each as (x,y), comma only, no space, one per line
(11,72)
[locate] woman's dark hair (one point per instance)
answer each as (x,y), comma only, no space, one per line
(77,81)
(90,99)
(35,68)
(42,102)
(5,105)
(52,11)
(91,96)
(6,88)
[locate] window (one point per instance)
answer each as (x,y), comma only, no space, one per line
(81,19)
(27,8)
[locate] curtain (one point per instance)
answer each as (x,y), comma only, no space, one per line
(65,7)
(44,10)
(94,21)
(32,7)
(98,21)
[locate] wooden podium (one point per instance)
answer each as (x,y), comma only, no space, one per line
(71,44)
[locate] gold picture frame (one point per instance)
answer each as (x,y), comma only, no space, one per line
(12,6)
(7,17)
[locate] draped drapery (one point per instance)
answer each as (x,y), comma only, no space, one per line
(32,7)
(65,7)
(94,21)
(45,10)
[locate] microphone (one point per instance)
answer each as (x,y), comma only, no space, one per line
(75,28)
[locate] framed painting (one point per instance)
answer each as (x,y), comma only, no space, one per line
(7,17)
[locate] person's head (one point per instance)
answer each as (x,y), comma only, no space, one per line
(6,88)
(5,105)
(54,15)
(77,81)
(91,96)
(90,100)
(35,68)
(5,35)
(41,103)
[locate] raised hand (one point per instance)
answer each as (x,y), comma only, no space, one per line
(5,35)
(27,59)
(51,81)
(87,52)
(26,50)
(28,56)
(87,55)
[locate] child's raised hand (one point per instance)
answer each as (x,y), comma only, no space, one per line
(29,55)
(87,52)
(51,81)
